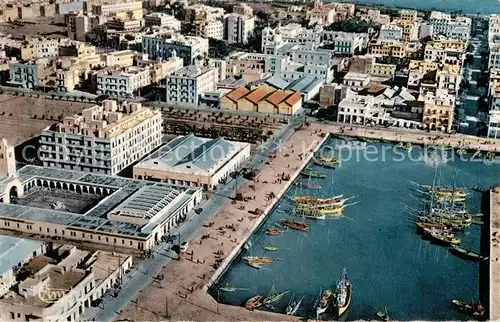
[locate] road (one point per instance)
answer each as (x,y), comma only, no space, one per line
(142,276)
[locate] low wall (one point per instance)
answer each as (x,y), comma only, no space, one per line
(236,250)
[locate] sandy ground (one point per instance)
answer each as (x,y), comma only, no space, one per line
(430,139)
(183,280)
(494,256)
(41,26)
(16,116)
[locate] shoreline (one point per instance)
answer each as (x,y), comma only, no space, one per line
(494,253)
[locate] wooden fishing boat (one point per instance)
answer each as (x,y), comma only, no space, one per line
(382,315)
(326,162)
(293,224)
(467,253)
(310,200)
(271,248)
(327,210)
(254,265)
(316,216)
(313,174)
(253,302)
(444,238)
(273,231)
(259,260)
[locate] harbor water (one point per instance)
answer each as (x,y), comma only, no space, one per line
(465,6)
(388,263)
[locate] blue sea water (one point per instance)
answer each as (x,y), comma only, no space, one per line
(387,261)
(466,6)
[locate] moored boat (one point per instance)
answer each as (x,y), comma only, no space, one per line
(274,296)
(316,216)
(293,306)
(467,253)
(308,185)
(273,231)
(259,260)
(324,302)
(271,248)
(253,302)
(313,174)
(382,315)
(444,238)
(293,224)
(254,265)
(471,309)
(343,294)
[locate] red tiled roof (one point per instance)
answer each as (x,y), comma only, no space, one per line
(293,99)
(237,93)
(258,94)
(277,97)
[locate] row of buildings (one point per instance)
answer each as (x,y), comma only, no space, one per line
(493,94)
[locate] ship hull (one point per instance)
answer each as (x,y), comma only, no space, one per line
(342,309)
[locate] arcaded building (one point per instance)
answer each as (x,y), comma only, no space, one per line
(92,208)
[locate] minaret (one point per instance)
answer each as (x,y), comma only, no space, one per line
(7,159)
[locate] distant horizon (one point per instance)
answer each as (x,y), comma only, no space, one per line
(488,7)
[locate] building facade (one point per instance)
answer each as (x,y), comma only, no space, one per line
(171,45)
(122,82)
(237,28)
(185,85)
(102,139)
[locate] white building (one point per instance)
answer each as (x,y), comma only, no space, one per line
(443,24)
(292,33)
(187,84)
(194,161)
(356,81)
(237,28)
(209,29)
(494,124)
(14,253)
(168,44)
(346,43)
(494,57)
(57,292)
(391,32)
(103,139)
(108,9)
(122,82)
(162,20)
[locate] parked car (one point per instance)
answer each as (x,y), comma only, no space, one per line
(184,246)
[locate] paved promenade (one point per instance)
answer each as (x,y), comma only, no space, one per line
(427,139)
(494,314)
(180,295)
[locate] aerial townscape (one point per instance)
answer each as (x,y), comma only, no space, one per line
(256,160)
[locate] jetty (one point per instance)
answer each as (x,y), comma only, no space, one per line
(494,264)
(435,139)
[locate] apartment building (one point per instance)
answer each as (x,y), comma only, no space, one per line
(438,112)
(77,49)
(102,139)
(159,69)
(383,71)
(40,48)
(237,28)
(390,32)
(30,74)
(493,27)
(408,15)
(345,43)
(374,15)
(448,78)
(79,24)
(166,45)
(209,29)
(387,48)
(410,28)
(201,12)
(124,24)
(122,82)
(494,105)
(321,14)
(494,56)
(443,24)
(162,20)
(418,69)
(292,33)
(185,85)
(119,9)
(445,51)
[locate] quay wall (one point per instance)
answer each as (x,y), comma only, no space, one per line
(237,249)
(493,304)
(457,141)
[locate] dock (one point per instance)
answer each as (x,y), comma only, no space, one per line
(435,139)
(494,267)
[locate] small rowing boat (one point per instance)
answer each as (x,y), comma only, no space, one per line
(271,248)
(253,302)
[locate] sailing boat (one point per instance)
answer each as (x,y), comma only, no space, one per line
(273,297)
(293,305)
(382,315)
(324,302)
(344,294)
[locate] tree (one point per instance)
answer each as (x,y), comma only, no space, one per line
(351,25)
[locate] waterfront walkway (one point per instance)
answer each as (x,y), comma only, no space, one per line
(494,314)
(421,138)
(180,294)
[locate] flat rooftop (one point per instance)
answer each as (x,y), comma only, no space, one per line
(97,217)
(193,155)
(14,250)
